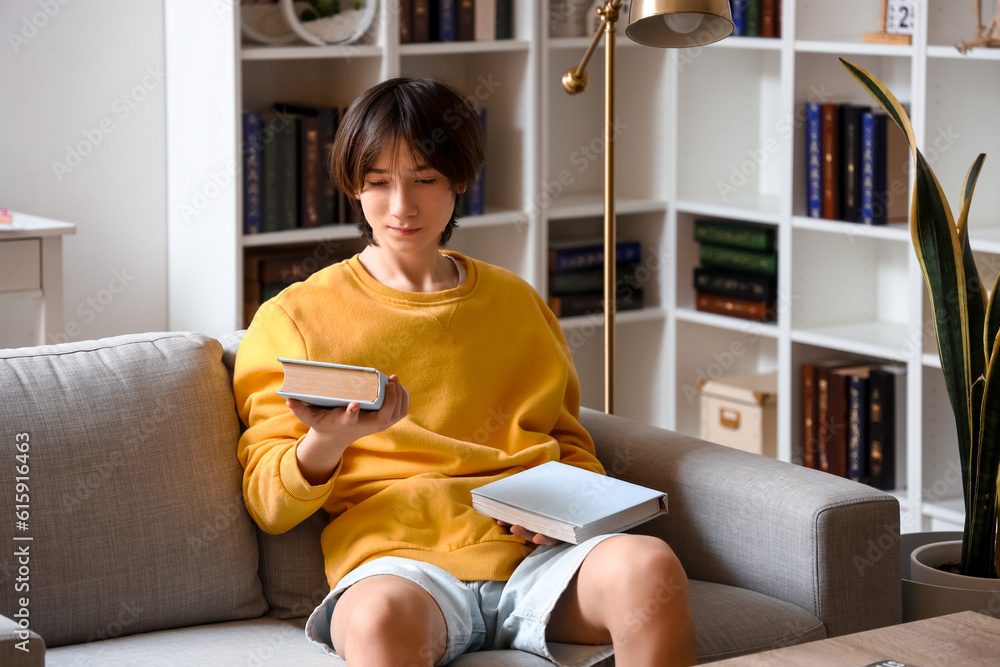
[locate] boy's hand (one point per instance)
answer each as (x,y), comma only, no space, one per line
(528,536)
(331,431)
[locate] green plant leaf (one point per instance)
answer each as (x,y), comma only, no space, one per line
(886,100)
(992,325)
(936,244)
(978,552)
(974,290)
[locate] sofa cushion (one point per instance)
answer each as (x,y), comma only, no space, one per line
(734,621)
(137,520)
(291,572)
(262,641)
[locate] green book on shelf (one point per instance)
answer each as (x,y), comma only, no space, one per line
(738,259)
(738,234)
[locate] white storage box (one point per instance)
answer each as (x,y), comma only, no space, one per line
(740,412)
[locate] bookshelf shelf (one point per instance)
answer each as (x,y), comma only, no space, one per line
(750,208)
(299,236)
(454,48)
(892,232)
(693,316)
(622,318)
(950,52)
(713,132)
(951,511)
(853,48)
(884,340)
(346,53)
(588,204)
(751,43)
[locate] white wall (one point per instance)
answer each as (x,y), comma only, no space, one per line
(88,76)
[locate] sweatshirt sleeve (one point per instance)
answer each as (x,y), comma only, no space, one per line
(276,494)
(576,447)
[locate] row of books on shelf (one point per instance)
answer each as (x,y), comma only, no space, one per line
(286,170)
(857,164)
(854,421)
(576,277)
(738,275)
(268,271)
(455,20)
(756,18)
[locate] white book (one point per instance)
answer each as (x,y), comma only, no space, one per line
(568,503)
(486,20)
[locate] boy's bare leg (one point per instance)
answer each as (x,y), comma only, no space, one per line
(630,591)
(388,621)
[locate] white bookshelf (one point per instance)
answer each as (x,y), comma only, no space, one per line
(692,123)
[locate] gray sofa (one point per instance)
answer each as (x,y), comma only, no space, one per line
(136,549)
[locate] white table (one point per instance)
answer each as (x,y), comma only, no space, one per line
(31,267)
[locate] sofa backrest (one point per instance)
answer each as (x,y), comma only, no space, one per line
(291,571)
(123,453)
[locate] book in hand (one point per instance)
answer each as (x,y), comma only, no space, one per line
(568,503)
(332,385)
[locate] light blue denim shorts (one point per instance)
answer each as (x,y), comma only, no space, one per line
(485,615)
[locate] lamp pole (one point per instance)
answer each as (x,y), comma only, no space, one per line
(575,81)
(661,23)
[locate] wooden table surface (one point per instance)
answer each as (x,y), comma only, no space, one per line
(966,639)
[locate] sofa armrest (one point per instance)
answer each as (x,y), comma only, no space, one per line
(19,646)
(823,543)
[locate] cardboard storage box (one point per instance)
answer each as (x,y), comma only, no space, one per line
(740,412)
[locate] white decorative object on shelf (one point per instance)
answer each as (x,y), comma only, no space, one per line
(264,23)
(901,18)
(345,27)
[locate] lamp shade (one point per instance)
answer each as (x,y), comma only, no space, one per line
(679,23)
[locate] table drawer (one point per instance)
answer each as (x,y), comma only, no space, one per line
(20,265)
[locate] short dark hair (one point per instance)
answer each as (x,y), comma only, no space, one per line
(434,119)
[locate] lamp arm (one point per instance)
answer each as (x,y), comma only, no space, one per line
(575,80)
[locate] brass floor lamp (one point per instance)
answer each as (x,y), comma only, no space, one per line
(662,23)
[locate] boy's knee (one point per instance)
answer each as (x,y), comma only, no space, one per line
(647,565)
(393,614)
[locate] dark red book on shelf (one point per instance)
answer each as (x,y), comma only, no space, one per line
(767,18)
(830,156)
(727,305)
(831,413)
(405,21)
(887,427)
(810,424)
(466,30)
(421,17)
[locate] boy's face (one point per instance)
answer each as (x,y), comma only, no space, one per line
(408,206)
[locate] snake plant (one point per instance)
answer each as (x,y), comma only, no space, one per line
(966,324)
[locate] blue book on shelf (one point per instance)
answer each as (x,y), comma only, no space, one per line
(867,167)
(880,171)
(251,172)
(477,193)
(576,256)
(447,20)
(814,161)
(857,426)
(739,11)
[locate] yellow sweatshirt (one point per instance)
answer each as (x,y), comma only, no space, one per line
(492,391)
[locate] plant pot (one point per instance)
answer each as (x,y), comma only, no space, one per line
(928,592)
